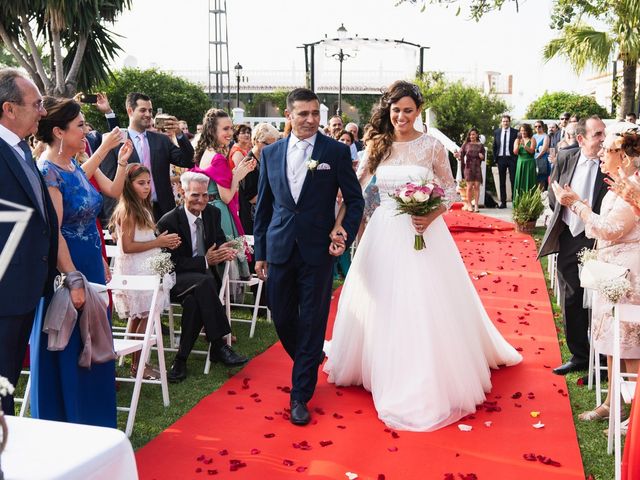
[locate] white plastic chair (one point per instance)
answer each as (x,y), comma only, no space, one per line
(126,343)
(622,385)
(174,334)
(26,398)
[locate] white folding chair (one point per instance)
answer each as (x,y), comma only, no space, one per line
(26,397)
(174,334)
(113,251)
(623,385)
(107,235)
(126,343)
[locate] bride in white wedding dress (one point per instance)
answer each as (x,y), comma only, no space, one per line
(410,325)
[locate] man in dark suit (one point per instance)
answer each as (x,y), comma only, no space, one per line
(203,247)
(503,140)
(565,236)
(32,269)
(155,150)
(299,179)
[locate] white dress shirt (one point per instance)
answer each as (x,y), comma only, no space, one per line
(191,218)
(12,139)
(583,183)
(297,163)
(504,142)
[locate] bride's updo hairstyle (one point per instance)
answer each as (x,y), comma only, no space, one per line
(208,137)
(380,137)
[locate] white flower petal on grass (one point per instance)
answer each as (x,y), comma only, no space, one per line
(465,428)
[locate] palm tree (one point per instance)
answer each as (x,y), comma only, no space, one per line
(62,44)
(582,44)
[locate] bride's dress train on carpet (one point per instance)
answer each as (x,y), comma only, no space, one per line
(410,325)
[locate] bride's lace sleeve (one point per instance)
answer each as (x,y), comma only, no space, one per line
(442,172)
(612,226)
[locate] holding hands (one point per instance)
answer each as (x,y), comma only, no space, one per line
(338,243)
(626,189)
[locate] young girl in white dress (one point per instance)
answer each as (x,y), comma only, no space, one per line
(410,326)
(132,221)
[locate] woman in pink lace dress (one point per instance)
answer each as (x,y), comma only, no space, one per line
(617,233)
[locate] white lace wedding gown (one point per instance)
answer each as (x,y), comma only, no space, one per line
(410,326)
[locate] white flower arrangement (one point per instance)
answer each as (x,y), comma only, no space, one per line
(587,254)
(160,264)
(614,290)
(312,164)
(5,387)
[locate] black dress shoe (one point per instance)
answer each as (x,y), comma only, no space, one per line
(299,413)
(502,206)
(178,371)
(570,367)
(226,355)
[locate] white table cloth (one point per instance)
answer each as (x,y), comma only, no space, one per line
(41,449)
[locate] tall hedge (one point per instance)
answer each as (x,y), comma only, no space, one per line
(552,105)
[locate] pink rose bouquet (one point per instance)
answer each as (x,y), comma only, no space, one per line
(419,200)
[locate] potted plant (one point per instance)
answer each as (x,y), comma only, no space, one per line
(527,207)
(462,190)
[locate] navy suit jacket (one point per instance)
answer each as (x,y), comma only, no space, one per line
(32,269)
(280,222)
(497,143)
(94,137)
(163,154)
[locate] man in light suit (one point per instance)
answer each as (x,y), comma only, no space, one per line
(155,150)
(30,274)
(565,236)
(299,179)
(503,140)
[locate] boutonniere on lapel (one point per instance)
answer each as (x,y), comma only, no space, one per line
(312,164)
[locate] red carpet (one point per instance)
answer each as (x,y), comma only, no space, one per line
(241,430)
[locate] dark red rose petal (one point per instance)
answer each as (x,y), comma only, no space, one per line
(255,451)
(301,469)
(516,395)
(337,415)
(325,443)
(393,449)
(319,411)
(212,472)
(198,470)
(287,463)
(200,458)
(268,417)
(530,457)
(269,435)
(223,452)
(231,392)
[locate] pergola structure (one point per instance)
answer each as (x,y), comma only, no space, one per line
(353,44)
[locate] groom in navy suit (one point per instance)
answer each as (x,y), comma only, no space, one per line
(295,238)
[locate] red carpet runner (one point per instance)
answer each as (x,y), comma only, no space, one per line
(241,431)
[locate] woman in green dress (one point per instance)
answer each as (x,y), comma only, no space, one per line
(526,174)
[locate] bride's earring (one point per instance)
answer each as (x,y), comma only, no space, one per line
(61,145)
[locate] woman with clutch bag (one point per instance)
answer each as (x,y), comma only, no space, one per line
(617,233)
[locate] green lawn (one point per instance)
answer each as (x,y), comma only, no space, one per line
(153,418)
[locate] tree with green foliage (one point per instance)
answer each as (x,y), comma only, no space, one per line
(459,107)
(552,105)
(477,8)
(583,44)
(278,98)
(175,95)
(62,44)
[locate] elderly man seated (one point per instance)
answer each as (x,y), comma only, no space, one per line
(203,247)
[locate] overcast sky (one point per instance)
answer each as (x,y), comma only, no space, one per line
(264,35)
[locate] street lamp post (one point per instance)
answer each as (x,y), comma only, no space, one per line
(238,69)
(341,57)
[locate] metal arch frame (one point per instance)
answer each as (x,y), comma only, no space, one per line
(309,54)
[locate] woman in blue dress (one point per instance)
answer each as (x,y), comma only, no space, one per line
(543,167)
(62,390)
